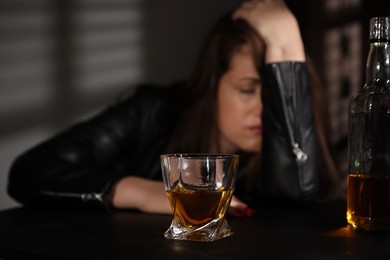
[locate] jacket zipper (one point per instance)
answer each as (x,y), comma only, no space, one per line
(300,155)
(83,196)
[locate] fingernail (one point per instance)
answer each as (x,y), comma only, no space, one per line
(249,211)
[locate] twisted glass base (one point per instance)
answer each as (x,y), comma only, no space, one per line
(212,231)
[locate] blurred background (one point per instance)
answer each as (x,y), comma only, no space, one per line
(64,60)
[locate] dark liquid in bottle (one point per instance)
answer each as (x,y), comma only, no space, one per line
(368,201)
(368,196)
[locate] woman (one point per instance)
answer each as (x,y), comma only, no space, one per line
(249,95)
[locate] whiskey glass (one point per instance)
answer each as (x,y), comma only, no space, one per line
(199,188)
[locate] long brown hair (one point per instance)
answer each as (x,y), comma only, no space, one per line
(329,174)
(197,129)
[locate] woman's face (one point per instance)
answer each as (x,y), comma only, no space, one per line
(239,105)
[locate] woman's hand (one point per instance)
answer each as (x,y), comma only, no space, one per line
(277,26)
(142,194)
(239,209)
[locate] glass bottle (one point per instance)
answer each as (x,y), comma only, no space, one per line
(368,179)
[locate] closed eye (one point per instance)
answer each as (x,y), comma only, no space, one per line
(247,90)
(249,85)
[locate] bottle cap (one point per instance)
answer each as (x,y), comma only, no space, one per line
(380,29)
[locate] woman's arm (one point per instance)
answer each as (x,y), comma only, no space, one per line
(142,194)
(84,164)
(277,26)
(290,149)
(290,154)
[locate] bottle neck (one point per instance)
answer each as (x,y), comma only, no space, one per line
(378,64)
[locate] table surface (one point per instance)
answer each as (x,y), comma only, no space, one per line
(301,232)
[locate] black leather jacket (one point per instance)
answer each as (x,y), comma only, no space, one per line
(78,166)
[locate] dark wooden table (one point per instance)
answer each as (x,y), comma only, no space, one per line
(300,232)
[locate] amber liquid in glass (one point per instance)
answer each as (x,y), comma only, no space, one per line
(195,206)
(368,201)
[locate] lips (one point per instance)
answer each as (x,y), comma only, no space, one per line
(256,129)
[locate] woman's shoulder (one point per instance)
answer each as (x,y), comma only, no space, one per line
(154,93)
(152,102)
